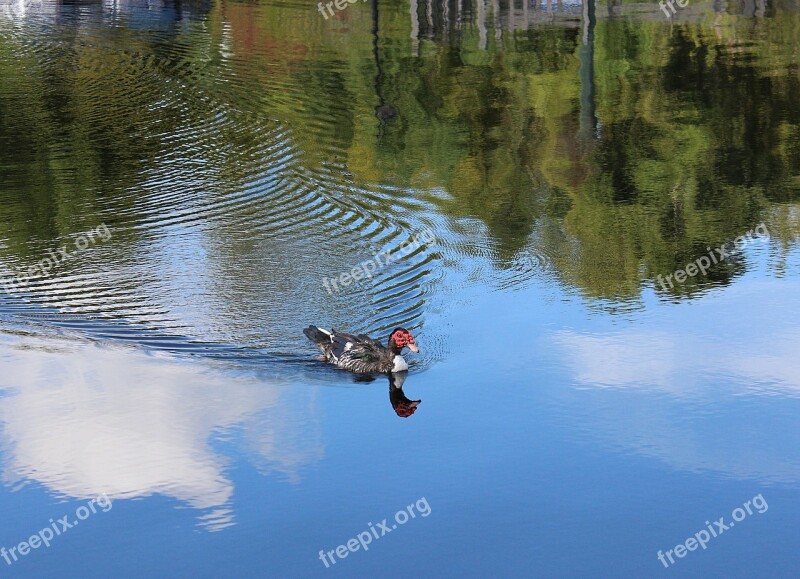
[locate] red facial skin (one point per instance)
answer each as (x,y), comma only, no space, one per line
(404,339)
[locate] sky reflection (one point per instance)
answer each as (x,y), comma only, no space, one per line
(82,419)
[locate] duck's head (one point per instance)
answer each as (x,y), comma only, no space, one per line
(402,338)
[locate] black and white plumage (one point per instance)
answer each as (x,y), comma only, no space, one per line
(361,353)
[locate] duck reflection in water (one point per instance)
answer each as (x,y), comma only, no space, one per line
(403,406)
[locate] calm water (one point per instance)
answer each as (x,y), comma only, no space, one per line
(537,170)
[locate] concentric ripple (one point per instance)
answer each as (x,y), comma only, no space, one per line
(220,233)
(233,221)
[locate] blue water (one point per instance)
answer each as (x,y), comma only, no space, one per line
(604,440)
(576,420)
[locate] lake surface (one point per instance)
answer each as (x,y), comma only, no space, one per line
(586,214)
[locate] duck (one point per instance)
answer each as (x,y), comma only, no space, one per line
(402,405)
(362,354)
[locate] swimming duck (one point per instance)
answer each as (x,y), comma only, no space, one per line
(361,353)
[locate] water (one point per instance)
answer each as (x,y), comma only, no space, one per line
(533,168)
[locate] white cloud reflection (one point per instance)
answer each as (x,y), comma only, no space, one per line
(681,363)
(721,402)
(82,419)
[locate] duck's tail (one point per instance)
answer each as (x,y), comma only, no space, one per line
(318,335)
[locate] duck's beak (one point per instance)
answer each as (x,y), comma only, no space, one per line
(413,348)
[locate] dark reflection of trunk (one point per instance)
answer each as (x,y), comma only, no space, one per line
(383,111)
(414,29)
(588,119)
(481,25)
